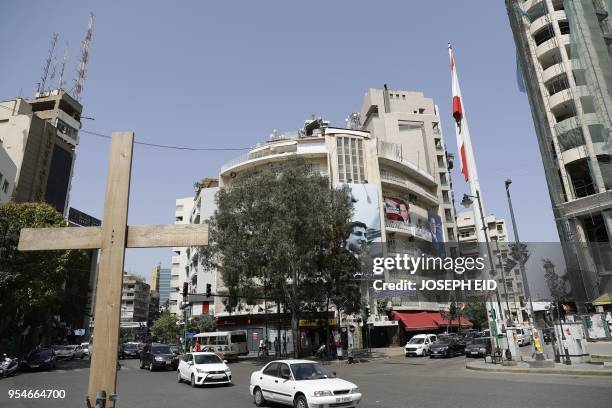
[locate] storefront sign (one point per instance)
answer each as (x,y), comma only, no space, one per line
(317,322)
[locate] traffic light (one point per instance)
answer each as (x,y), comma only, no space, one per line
(185,289)
(208,290)
(366,312)
(492,314)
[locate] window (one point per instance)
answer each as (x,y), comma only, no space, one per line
(445,197)
(66,129)
(272,370)
(238,338)
(351,161)
(284,371)
(447,215)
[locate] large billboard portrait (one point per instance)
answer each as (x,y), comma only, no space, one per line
(364,229)
(437,233)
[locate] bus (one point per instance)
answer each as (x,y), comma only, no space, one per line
(232,342)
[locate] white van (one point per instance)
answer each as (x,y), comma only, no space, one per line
(419,344)
(523,335)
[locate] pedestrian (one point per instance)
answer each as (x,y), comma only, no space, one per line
(351,354)
(333,350)
(284,346)
(276,347)
(261,348)
(198,346)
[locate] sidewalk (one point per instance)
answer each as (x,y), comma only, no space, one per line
(600,350)
(596,369)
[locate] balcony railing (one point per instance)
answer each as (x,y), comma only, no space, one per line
(411,229)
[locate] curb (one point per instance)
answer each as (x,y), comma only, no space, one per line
(605,357)
(601,373)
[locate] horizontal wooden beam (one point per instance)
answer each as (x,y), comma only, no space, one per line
(47,239)
(138,236)
(157,236)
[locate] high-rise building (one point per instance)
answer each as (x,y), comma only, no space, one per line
(198,276)
(564,51)
(155,278)
(507,273)
(39,137)
(135,298)
(180,262)
(394,161)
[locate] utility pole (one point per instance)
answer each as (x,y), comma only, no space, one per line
(532,322)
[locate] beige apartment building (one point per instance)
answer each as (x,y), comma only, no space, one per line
(38,137)
(393,158)
(507,273)
(135,298)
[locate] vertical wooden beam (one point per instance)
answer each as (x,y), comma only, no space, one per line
(107,315)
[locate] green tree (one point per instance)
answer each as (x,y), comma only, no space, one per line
(165,328)
(275,233)
(37,286)
(476,312)
(201,324)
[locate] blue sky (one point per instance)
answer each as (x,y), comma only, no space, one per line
(224,74)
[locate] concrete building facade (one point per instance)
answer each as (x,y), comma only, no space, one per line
(135,298)
(180,261)
(564,51)
(509,281)
(39,136)
(198,277)
(394,156)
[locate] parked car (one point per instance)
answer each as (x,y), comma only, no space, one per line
(63,352)
(419,344)
(470,335)
(478,347)
(129,350)
(85,347)
(523,335)
(39,359)
(448,346)
(158,356)
(78,351)
(301,384)
(549,334)
(203,368)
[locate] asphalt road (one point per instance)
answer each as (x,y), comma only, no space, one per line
(392,383)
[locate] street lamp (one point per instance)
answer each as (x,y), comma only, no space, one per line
(530,317)
(467,202)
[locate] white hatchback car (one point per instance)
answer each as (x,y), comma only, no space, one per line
(203,368)
(419,345)
(301,384)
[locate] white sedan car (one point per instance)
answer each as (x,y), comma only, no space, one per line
(203,368)
(301,384)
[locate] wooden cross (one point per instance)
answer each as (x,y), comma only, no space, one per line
(112,238)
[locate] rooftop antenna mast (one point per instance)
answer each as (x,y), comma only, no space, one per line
(61,82)
(43,78)
(82,70)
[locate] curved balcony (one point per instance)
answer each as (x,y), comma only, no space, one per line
(397,181)
(557,100)
(390,154)
(545,20)
(553,72)
(528,5)
(409,230)
(549,46)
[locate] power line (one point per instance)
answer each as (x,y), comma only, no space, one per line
(171,146)
(159,146)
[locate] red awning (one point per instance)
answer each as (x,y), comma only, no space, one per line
(416,321)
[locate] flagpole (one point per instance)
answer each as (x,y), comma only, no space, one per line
(468,159)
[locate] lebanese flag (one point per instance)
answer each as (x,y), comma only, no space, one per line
(463,136)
